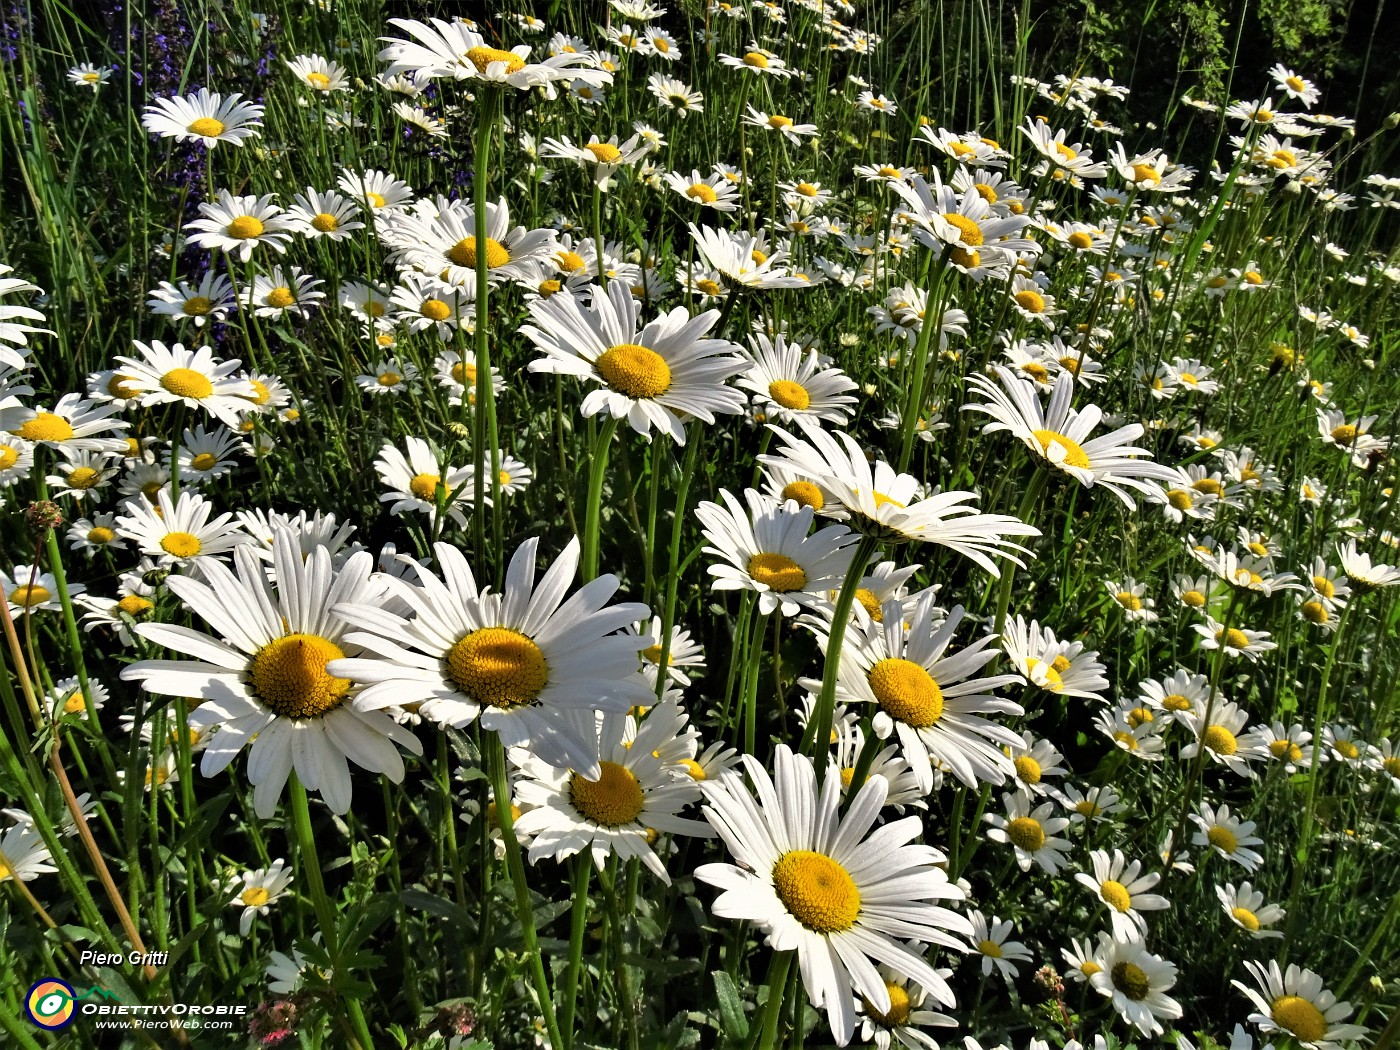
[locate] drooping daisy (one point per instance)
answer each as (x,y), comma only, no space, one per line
(877,500)
(821,883)
(238,225)
(647,375)
(1227,835)
(1363,574)
(1064,667)
(179,533)
(531,665)
(1032,833)
(1137,982)
(712,192)
(1059,434)
(209,300)
(263,679)
(195,378)
(413,480)
(439,237)
(931,700)
(1121,887)
(638,796)
(257,890)
(791,383)
(438,48)
(768,550)
(989,939)
(23,855)
(742,263)
(1295,1002)
(204,117)
(1246,909)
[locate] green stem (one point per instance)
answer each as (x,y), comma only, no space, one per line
(773,1009)
(578,916)
(818,735)
(933,321)
(592,512)
(500,788)
(484,432)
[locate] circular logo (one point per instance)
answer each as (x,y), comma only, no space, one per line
(49,1004)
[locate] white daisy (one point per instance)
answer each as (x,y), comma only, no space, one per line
(790,383)
(1123,889)
(257,890)
(195,378)
(179,533)
(1246,909)
(239,225)
(1295,1003)
(1137,982)
(205,117)
(1032,833)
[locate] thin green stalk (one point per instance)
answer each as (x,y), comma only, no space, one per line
(578,924)
(484,435)
(592,511)
(818,735)
(778,968)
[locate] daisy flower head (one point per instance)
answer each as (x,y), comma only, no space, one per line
(1137,982)
(931,700)
(1033,761)
(1123,888)
(27,589)
(1342,743)
(1294,86)
(777,122)
(1353,438)
(438,48)
(1362,574)
(1141,738)
(256,891)
(1180,695)
(413,479)
(822,883)
(282,293)
(209,300)
(1131,597)
(378,191)
(791,383)
(906,1018)
(1227,835)
(1058,666)
(879,501)
(204,117)
(531,663)
(422,304)
(989,939)
(262,676)
(1064,161)
(439,237)
(742,262)
(602,156)
(318,73)
(73,423)
(1032,833)
(1085,958)
(16,459)
(1219,728)
(179,532)
(1098,804)
(1149,172)
(675,95)
(638,796)
(23,855)
(1295,1003)
(87,75)
(194,378)
(758,61)
(682,654)
(81,474)
(1245,908)
(1059,434)
(647,374)
(390,376)
(238,225)
(1236,641)
(95,533)
(316,213)
(714,192)
(768,550)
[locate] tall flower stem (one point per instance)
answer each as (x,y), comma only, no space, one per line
(933,321)
(525,912)
(325,912)
(818,733)
(695,437)
(484,433)
(593,510)
(1008,573)
(578,924)
(778,969)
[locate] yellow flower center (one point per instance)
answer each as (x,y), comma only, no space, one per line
(1128,600)
(206,126)
(1031,302)
(604,152)
(1285,749)
(635,370)
(570,262)
(789,394)
(1344,434)
(612,800)
(281,298)
(45,426)
(26,596)
(289,676)
(1220,740)
(990,949)
(1210,486)
(91,78)
(9,456)
(1245,918)
(1176,702)
(778,572)
(482,57)
(694,768)
(100,534)
(1180,499)
(1026,833)
(83,478)
(906,692)
(897,1014)
(1129,979)
(756,60)
(245,228)
(464,372)
(702,192)
(1300,1017)
(435,309)
(376,200)
(969,233)
(186,382)
(463,253)
(1036,371)
(1080,240)
(254,897)
(499,667)
(1074,454)
(804,493)
(548,288)
(777,121)
(424,487)
(889,172)
(1223,839)
(319,81)
(325,222)
(1346,748)
(1140,716)
(806,189)
(1146,173)
(1115,895)
(1324,586)
(709,287)
(1027,769)
(194,306)
(135,605)
(390,379)
(817,891)
(1233,638)
(181,544)
(1315,612)
(1051,675)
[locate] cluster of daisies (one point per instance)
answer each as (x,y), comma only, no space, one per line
(308,653)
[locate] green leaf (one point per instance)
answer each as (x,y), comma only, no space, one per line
(731,1008)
